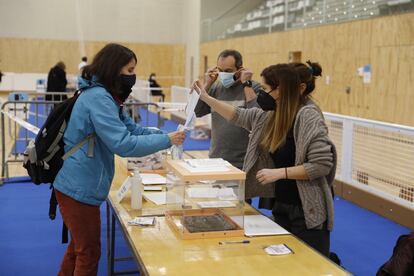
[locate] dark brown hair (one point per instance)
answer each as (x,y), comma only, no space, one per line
(235,54)
(307,74)
(279,122)
(107,64)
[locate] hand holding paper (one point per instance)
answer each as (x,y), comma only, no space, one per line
(199,89)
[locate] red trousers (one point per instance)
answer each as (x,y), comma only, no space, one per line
(84,224)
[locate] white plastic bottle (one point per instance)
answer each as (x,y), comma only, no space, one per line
(136,191)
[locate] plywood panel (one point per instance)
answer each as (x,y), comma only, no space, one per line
(38,56)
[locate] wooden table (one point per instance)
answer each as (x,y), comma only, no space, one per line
(159,252)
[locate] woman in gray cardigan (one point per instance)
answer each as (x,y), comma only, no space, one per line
(289,156)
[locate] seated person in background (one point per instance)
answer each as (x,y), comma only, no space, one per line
(228,81)
(289,156)
(56,82)
(155,87)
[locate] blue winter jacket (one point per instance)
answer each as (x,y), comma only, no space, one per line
(88,179)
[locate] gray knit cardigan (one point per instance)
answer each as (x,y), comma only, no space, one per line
(314,150)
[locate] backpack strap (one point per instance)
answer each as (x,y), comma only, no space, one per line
(89,138)
(57,138)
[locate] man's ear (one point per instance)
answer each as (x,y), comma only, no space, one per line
(302,88)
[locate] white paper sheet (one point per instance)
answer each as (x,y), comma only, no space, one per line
(203,169)
(152,179)
(278,249)
(189,110)
(153,188)
(159,198)
(143,221)
(207,162)
(208,192)
(216,204)
(259,225)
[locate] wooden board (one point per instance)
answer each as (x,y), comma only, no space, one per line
(184,174)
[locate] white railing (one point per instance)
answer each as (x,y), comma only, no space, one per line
(375,156)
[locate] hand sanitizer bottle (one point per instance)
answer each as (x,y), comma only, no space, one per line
(136,191)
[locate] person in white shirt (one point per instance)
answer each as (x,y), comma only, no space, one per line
(83,63)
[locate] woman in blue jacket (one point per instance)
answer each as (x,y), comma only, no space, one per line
(84,180)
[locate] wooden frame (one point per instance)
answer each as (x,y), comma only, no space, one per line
(186,235)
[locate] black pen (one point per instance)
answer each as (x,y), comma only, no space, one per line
(233,242)
(293,252)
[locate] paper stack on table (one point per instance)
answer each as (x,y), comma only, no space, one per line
(203,192)
(159,198)
(259,225)
(152,179)
(206,165)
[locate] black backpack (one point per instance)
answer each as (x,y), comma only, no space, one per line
(45,154)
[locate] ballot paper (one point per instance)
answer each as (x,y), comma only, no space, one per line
(153,188)
(152,179)
(159,198)
(143,221)
(278,249)
(205,165)
(216,204)
(207,162)
(259,225)
(189,110)
(208,192)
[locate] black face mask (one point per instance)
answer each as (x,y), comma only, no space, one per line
(265,101)
(127,81)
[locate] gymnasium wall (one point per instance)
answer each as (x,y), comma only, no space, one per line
(39,55)
(139,21)
(386,43)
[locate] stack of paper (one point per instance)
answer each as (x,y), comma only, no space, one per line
(216,204)
(159,198)
(143,221)
(259,225)
(152,179)
(203,192)
(206,165)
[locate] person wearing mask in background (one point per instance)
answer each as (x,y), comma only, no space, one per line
(82,64)
(84,180)
(290,156)
(155,87)
(232,83)
(56,82)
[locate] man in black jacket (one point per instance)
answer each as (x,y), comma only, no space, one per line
(56,81)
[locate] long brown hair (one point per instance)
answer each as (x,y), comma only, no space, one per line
(279,122)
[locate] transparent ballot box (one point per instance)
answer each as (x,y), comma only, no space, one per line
(205,198)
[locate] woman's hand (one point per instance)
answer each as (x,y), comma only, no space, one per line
(200,90)
(177,137)
(266,176)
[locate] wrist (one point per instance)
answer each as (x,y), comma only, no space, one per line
(247,83)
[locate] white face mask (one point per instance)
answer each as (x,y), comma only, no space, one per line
(152,77)
(227,79)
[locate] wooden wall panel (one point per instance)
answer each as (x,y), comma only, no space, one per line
(387,43)
(38,56)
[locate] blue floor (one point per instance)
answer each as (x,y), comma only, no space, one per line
(30,242)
